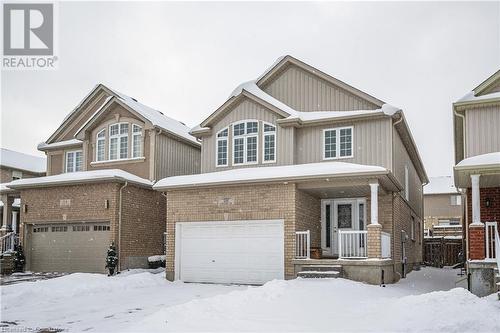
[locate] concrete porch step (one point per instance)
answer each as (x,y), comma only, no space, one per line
(318,274)
(322,268)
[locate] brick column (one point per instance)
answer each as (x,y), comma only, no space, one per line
(374,245)
(476,242)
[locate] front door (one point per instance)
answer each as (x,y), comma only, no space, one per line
(336,215)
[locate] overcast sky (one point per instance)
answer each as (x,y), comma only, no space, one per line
(185,58)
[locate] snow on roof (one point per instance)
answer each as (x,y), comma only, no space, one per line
(490,159)
(470,97)
(80,177)
(71,142)
(272,173)
(157,118)
(440,185)
(14,159)
(252,88)
(16,203)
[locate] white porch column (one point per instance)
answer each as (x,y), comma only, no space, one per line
(14,221)
(476,205)
(374,203)
(5,212)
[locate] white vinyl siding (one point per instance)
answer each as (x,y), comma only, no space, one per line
(245,142)
(337,143)
(74,161)
(222,147)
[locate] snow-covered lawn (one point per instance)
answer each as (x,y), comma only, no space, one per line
(141,301)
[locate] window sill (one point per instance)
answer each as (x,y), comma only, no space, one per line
(124,160)
(337,158)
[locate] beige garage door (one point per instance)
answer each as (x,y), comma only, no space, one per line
(79,247)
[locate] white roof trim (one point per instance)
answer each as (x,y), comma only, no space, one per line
(60,144)
(480,161)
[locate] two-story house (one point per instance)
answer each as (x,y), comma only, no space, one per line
(101,164)
(301,173)
(14,165)
(476,118)
(442,208)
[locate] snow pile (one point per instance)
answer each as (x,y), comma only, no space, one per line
(440,185)
(490,159)
(329,305)
(13,159)
(157,258)
(81,177)
(271,173)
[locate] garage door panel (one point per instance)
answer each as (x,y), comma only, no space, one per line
(249,252)
(69,251)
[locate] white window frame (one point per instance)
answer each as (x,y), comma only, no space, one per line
(223,138)
(337,143)
(412,228)
(407,183)
(245,137)
(456,200)
(134,134)
(97,145)
(264,134)
(118,136)
(74,160)
(16,174)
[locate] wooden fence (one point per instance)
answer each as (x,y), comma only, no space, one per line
(442,251)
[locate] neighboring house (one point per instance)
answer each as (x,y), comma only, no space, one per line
(299,170)
(442,208)
(101,164)
(15,165)
(476,119)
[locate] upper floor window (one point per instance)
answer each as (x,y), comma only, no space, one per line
(337,143)
(118,141)
(269,143)
(17,174)
(456,200)
(136,141)
(74,161)
(222,148)
(100,145)
(245,136)
(407,184)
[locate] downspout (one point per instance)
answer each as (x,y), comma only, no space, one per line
(393,205)
(120,227)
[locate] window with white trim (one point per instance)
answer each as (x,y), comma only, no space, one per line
(100,146)
(337,143)
(16,174)
(74,161)
(407,184)
(222,138)
(118,141)
(412,230)
(456,200)
(136,141)
(269,143)
(245,138)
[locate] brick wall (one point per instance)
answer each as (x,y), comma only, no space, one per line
(308,216)
(477,249)
(247,202)
(143,225)
(5,175)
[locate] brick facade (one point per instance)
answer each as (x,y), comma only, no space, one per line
(476,243)
(142,214)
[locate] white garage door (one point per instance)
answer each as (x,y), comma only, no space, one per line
(247,252)
(65,247)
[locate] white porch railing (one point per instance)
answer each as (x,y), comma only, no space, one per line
(8,241)
(302,244)
(385,244)
(491,231)
(353,244)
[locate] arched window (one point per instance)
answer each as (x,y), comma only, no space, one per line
(100,145)
(118,141)
(269,151)
(136,141)
(245,139)
(221,147)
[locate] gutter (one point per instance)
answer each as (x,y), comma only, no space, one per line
(120,227)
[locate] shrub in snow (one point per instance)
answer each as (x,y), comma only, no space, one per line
(111,259)
(19,259)
(156,261)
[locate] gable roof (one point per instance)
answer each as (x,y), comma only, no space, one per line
(440,185)
(494,78)
(16,160)
(480,94)
(284,61)
(157,118)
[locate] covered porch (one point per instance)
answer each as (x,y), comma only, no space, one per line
(348,228)
(10,202)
